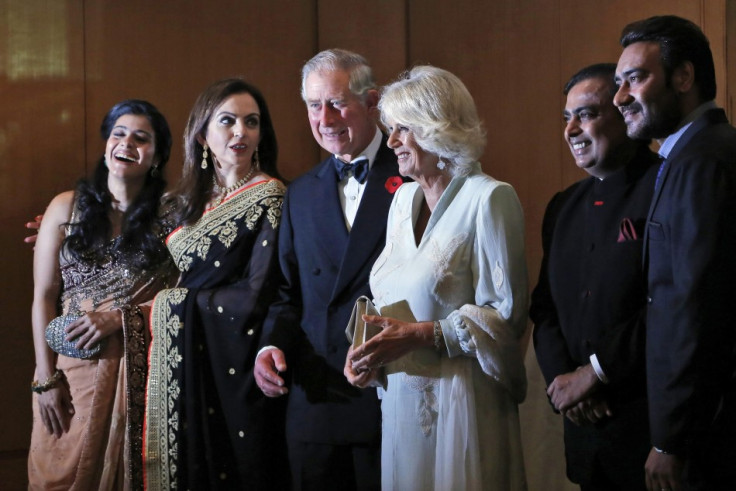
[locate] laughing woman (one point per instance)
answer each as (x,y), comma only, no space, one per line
(99,250)
(207,424)
(453,270)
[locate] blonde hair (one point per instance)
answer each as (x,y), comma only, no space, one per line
(440,112)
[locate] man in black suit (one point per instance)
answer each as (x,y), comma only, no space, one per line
(333,227)
(588,308)
(666,89)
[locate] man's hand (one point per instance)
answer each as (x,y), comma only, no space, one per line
(34,225)
(663,471)
(268,365)
(568,389)
(588,411)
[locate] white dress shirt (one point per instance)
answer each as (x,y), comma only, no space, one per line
(349,189)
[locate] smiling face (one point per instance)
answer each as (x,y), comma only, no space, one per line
(413,161)
(233,133)
(130,147)
(594,130)
(342,122)
(649,105)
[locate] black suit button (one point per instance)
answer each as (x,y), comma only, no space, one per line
(592,247)
(332,350)
(331,309)
(316,271)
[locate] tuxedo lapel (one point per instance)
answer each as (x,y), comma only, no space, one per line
(368,233)
(329,221)
(711,117)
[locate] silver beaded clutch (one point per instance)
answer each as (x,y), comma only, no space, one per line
(56,338)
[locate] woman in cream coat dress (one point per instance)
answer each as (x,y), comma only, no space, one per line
(451,285)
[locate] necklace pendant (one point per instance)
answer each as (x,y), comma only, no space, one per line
(225,191)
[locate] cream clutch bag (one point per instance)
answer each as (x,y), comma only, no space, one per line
(358,332)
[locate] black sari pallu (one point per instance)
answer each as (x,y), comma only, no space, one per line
(207,424)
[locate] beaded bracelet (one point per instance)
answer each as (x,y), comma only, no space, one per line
(438,337)
(49,383)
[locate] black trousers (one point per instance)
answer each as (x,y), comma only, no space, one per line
(320,466)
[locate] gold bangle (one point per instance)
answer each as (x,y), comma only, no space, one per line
(47,384)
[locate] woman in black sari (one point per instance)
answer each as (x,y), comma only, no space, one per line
(208,426)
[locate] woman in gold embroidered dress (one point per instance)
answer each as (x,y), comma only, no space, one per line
(99,251)
(207,424)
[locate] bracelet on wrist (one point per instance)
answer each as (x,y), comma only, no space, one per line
(439,338)
(49,383)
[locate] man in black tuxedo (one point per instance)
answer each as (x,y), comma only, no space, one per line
(666,89)
(333,227)
(588,307)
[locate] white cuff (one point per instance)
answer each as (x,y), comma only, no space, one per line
(265,348)
(597,369)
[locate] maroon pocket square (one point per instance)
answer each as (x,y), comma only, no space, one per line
(626,231)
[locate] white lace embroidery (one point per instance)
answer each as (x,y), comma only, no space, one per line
(464,335)
(498,276)
(427,410)
(441,258)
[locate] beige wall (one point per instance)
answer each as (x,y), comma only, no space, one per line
(64,63)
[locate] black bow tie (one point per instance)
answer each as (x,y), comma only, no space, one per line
(357,168)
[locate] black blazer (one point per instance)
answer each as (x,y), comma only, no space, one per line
(691,251)
(325,270)
(591,298)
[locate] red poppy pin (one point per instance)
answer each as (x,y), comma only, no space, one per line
(393,183)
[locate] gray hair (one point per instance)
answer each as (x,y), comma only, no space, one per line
(440,112)
(331,60)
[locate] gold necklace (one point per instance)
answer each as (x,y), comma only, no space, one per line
(225,191)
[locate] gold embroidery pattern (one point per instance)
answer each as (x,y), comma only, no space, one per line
(274,211)
(221,222)
(163,390)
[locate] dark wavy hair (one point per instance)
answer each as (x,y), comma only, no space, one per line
(140,243)
(679,40)
(195,187)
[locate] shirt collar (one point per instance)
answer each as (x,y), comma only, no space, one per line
(669,143)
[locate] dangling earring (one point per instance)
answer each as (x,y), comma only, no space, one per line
(154,171)
(204,157)
(441,165)
(256,163)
